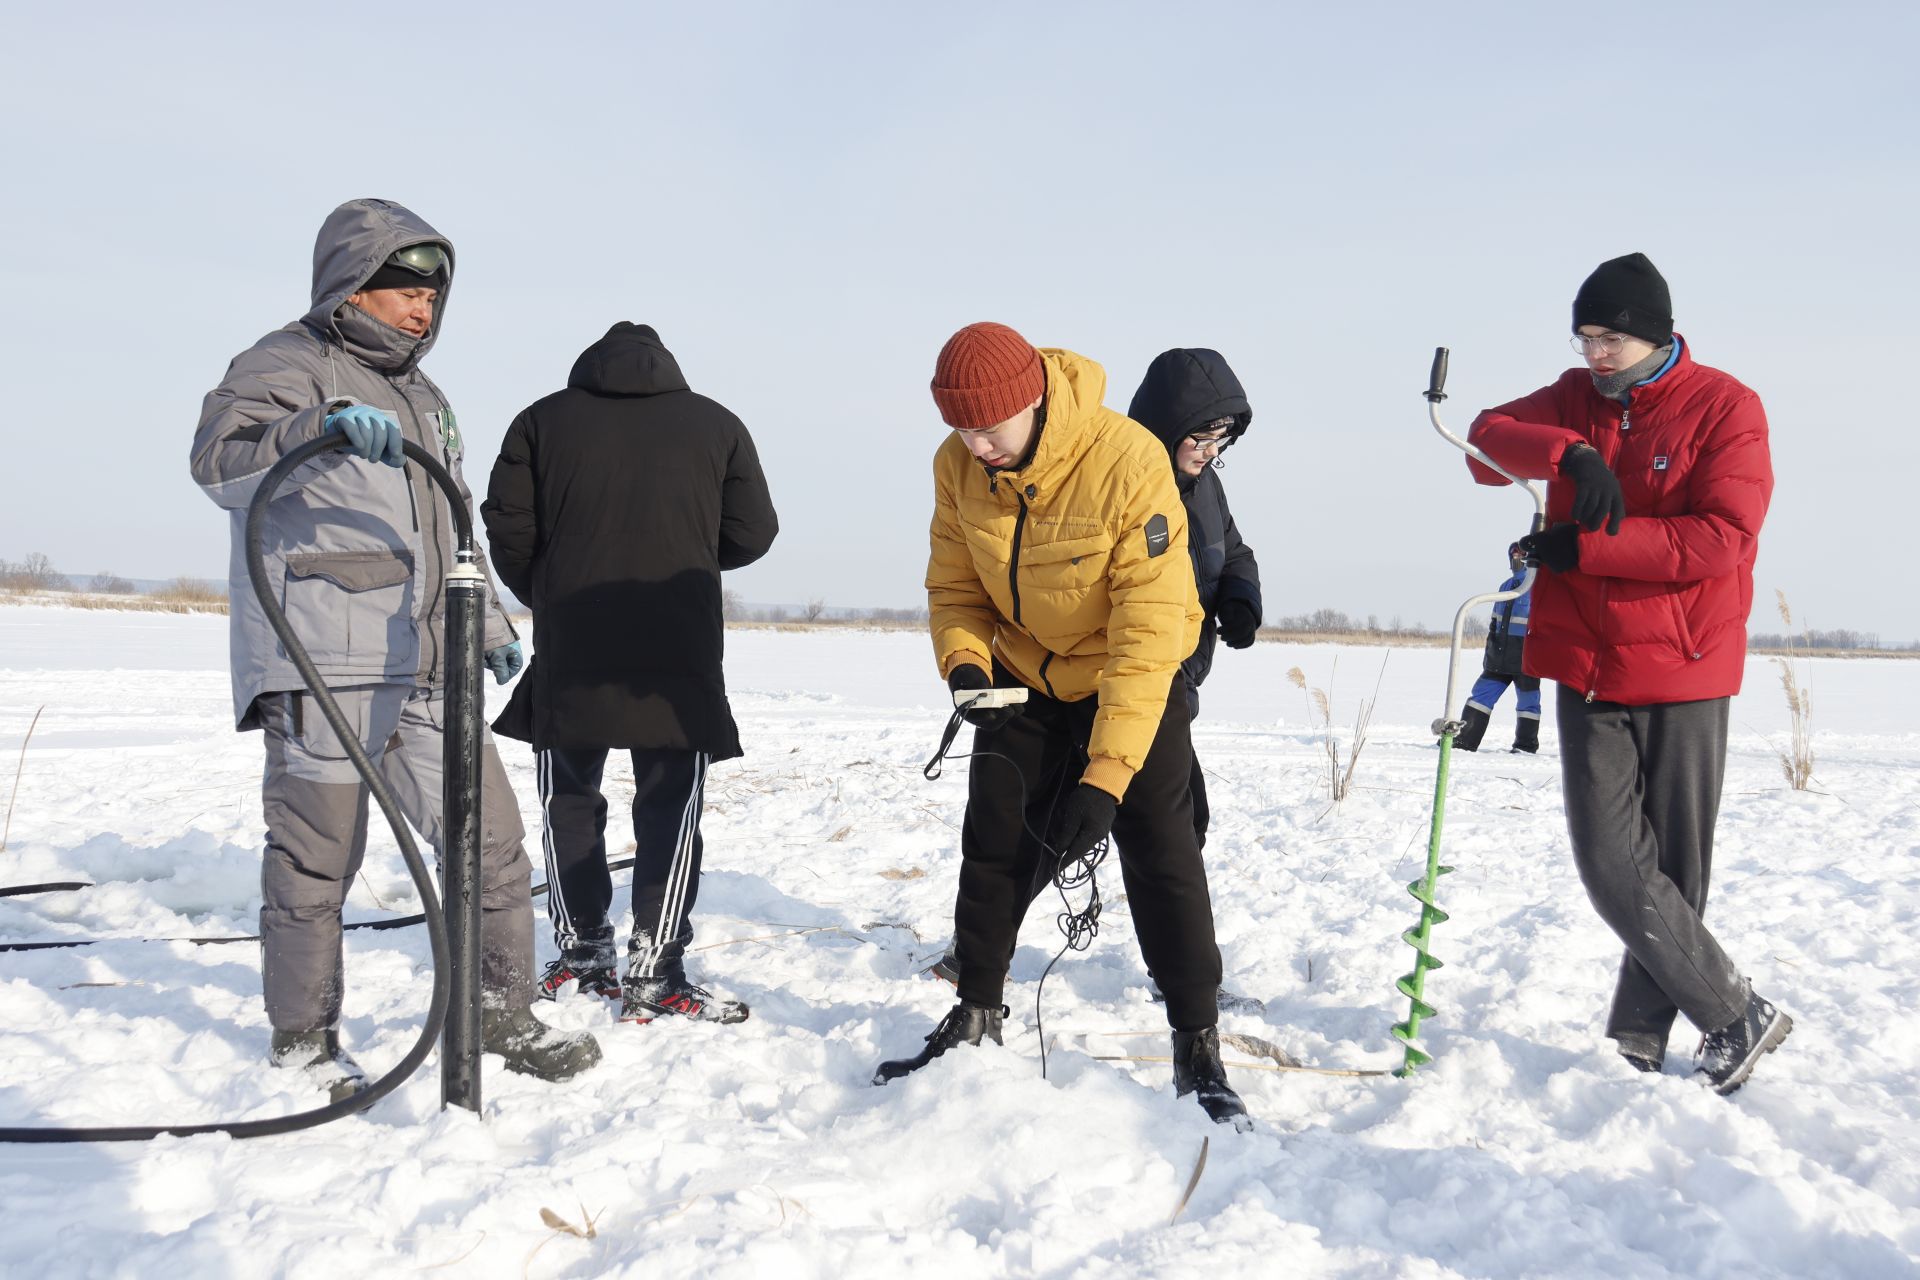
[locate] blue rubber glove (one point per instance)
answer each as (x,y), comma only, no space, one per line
(374,433)
(505,662)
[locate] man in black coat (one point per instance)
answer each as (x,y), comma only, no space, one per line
(612,509)
(1192,401)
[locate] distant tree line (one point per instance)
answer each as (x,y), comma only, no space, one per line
(1335,622)
(734,608)
(37,573)
(1839,638)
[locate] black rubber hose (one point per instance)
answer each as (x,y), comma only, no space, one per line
(263,588)
(52,886)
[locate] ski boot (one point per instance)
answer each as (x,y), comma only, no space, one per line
(319,1055)
(531,1047)
(1197,1069)
(569,975)
(1526,735)
(673,996)
(1729,1055)
(965,1023)
(1473,728)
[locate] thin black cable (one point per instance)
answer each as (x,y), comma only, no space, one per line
(390,922)
(349,739)
(1080,927)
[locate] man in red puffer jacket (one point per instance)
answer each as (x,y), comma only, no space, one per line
(1659,477)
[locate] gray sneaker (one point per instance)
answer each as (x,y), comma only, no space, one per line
(533,1048)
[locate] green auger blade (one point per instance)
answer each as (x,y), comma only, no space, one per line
(1422,960)
(1416,1007)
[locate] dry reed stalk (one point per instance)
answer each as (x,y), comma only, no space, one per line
(1796,762)
(7,831)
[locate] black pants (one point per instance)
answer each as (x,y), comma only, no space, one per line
(1642,790)
(1153,834)
(667,792)
(1202,814)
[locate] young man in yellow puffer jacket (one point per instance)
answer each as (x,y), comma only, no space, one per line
(1059,564)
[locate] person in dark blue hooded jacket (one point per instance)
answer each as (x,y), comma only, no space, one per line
(1506,640)
(1192,401)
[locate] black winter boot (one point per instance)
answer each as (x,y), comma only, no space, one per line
(1197,1069)
(1729,1055)
(965,1023)
(533,1048)
(1526,735)
(1473,729)
(318,1053)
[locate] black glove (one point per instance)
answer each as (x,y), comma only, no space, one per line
(1081,821)
(968,676)
(1596,490)
(1238,621)
(1557,548)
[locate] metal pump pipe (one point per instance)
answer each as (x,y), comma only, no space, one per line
(466,615)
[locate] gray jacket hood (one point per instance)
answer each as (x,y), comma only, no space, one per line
(354,240)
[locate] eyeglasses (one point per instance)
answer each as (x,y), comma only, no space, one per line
(1219,444)
(1217,435)
(1610,343)
(421,259)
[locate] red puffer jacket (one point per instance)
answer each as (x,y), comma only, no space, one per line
(1658,612)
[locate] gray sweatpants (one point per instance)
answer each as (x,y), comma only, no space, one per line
(1642,789)
(317,810)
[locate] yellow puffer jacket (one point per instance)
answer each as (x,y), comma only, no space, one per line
(1050,568)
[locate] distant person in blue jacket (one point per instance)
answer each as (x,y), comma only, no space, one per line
(1506,638)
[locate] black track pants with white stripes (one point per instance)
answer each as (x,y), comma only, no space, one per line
(668,787)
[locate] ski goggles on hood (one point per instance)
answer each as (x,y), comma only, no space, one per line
(421,259)
(418,266)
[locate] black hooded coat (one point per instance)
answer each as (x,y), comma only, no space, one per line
(612,510)
(1183,390)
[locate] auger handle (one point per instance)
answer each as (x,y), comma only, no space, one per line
(1437,379)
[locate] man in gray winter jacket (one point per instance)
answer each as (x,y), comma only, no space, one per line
(358,546)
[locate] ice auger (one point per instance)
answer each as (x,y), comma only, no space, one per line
(1420,937)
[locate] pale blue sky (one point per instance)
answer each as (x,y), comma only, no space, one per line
(806,200)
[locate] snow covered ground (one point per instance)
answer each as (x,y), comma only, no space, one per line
(1528,1149)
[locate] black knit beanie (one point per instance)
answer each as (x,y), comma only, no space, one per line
(1627,295)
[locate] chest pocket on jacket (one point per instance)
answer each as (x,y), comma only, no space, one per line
(1065,559)
(350,608)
